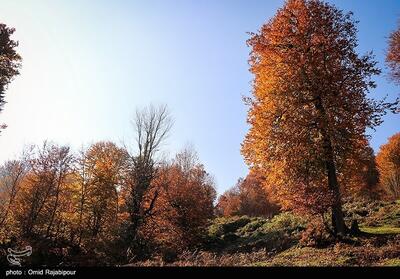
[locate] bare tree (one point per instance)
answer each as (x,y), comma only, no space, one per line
(152,125)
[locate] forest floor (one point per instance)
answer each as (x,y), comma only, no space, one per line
(281,241)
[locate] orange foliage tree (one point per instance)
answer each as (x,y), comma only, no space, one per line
(248,197)
(229,202)
(44,196)
(185,204)
(361,175)
(309,109)
(12,175)
(99,178)
(388,160)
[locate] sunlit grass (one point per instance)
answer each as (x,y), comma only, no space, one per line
(381,230)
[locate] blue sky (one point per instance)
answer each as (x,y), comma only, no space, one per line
(88,64)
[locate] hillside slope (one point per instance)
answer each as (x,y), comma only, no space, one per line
(285,240)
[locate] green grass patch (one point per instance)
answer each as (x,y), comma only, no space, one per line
(244,234)
(303,257)
(381,230)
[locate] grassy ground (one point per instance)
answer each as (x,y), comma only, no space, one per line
(244,241)
(384,230)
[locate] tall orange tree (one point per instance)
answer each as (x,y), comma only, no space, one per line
(99,179)
(309,109)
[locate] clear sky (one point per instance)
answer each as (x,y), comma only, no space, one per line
(88,64)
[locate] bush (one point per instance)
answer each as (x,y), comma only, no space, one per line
(253,226)
(286,221)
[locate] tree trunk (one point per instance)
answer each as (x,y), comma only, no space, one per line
(338,224)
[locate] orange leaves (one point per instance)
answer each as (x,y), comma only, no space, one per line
(248,197)
(229,203)
(309,109)
(360,173)
(98,196)
(388,160)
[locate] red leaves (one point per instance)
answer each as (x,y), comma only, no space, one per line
(185,204)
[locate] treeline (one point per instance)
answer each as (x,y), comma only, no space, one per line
(105,204)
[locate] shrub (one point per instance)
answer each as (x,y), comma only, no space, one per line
(286,221)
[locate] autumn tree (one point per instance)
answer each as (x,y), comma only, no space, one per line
(152,125)
(229,202)
(9,60)
(44,198)
(361,175)
(388,160)
(185,204)
(369,169)
(249,197)
(12,174)
(309,109)
(99,178)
